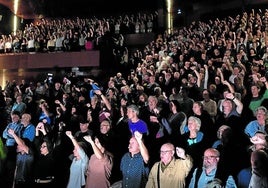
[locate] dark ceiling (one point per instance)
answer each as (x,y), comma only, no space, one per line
(65,8)
(58,8)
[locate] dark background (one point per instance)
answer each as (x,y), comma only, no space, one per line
(192,10)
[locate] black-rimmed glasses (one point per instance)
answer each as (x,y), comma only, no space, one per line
(209,157)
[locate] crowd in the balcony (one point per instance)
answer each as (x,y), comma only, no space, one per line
(75,34)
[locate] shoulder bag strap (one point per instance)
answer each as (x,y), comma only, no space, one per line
(158,178)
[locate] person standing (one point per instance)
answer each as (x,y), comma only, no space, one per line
(257,97)
(45,164)
(169,171)
(100,164)
(134,123)
(23,176)
(19,105)
(210,173)
(258,124)
(10,143)
(28,130)
(134,164)
(259,162)
(79,164)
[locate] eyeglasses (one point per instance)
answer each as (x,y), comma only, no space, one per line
(43,146)
(105,125)
(209,157)
(164,152)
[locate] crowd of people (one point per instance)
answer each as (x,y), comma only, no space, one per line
(75,34)
(191,112)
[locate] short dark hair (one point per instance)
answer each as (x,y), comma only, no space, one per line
(16,113)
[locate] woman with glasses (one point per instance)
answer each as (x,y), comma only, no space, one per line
(44,168)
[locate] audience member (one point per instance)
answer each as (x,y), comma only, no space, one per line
(11,145)
(19,105)
(208,126)
(193,140)
(257,97)
(84,131)
(209,105)
(79,164)
(134,164)
(100,164)
(259,124)
(152,115)
(170,172)
(44,166)
(259,162)
(134,122)
(174,122)
(28,129)
(23,176)
(210,173)
(186,102)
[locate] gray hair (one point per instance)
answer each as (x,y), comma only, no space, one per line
(196,120)
(134,108)
(260,108)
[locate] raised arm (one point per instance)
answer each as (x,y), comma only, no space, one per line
(105,100)
(40,127)
(264,80)
(198,83)
(75,143)
(238,103)
(96,150)
(230,87)
(61,105)
(19,141)
(206,77)
(143,149)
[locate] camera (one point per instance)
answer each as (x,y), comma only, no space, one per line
(49,78)
(49,75)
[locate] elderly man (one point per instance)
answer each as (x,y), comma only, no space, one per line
(210,174)
(170,172)
(28,130)
(134,164)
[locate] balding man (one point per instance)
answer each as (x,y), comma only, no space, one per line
(169,171)
(210,174)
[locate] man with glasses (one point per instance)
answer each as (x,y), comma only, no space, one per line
(210,175)
(170,171)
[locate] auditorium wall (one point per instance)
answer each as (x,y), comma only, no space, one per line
(26,66)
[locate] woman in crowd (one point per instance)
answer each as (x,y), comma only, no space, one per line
(207,127)
(194,141)
(79,164)
(44,168)
(175,121)
(100,164)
